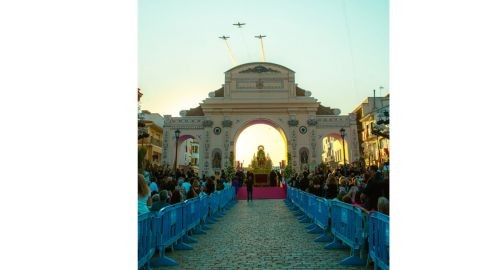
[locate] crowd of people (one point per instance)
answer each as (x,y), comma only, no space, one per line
(365,188)
(160,187)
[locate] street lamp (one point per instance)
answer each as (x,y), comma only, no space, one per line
(342,134)
(177,132)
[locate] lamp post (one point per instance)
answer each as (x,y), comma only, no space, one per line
(177,132)
(342,134)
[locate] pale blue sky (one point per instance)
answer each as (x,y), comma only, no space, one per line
(181,59)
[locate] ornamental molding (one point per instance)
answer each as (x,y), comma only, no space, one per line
(312,122)
(293,123)
(227,123)
(208,123)
(259,69)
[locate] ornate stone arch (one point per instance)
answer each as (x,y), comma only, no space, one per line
(239,128)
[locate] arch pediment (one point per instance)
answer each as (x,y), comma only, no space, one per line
(267,80)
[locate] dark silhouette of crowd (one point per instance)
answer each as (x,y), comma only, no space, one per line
(161,186)
(367,188)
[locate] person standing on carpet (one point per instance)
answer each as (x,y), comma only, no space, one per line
(250,186)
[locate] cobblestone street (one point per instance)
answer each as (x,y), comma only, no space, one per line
(263,234)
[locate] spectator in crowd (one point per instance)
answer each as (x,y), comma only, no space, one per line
(315,188)
(220,185)
(176,197)
(371,192)
(153,186)
(162,183)
(383,205)
(147,175)
(191,193)
(170,186)
(353,189)
(347,199)
(236,183)
(250,182)
(186,185)
(202,192)
(143,195)
(155,198)
(331,187)
(210,186)
(196,185)
(162,202)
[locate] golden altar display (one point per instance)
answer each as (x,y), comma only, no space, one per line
(261,166)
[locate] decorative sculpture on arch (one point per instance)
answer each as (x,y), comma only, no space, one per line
(216,160)
(304,156)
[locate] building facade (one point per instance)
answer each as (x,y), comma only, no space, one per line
(259,93)
(374,145)
(154,142)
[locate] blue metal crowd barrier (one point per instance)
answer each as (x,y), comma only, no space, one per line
(172,224)
(212,207)
(378,240)
(203,208)
(347,225)
(168,229)
(190,218)
(146,245)
(321,218)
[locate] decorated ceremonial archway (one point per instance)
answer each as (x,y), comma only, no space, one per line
(280,161)
(253,93)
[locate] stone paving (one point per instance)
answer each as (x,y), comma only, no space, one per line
(263,234)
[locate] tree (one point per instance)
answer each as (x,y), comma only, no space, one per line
(141,158)
(289,171)
(229,170)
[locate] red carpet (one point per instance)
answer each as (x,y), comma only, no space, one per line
(263,193)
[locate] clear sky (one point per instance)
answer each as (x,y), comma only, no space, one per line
(339,49)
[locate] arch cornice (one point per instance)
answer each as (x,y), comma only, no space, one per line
(258,63)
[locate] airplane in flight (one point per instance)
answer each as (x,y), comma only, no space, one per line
(239,24)
(224,37)
(260,36)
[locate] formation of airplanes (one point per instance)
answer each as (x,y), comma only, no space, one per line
(239,26)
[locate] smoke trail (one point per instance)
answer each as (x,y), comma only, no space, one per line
(233,60)
(263,54)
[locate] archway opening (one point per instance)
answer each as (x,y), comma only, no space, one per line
(188,152)
(257,134)
(333,151)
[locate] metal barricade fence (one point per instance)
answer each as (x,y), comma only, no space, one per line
(322,213)
(146,243)
(170,225)
(167,227)
(191,214)
(203,208)
(347,225)
(378,239)
(311,206)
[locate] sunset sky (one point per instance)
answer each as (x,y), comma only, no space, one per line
(339,49)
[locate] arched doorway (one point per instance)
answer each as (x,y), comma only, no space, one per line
(188,152)
(333,150)
(260,132)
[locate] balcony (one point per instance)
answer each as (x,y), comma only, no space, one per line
(152,141)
